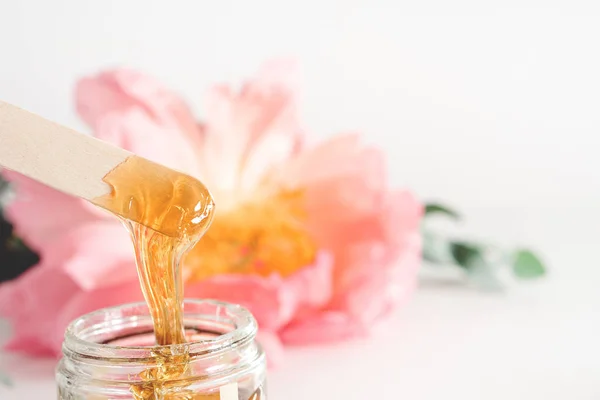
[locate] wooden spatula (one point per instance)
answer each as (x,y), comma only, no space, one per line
(76,164)
(57,156)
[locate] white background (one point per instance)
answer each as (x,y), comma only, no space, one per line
(494,108)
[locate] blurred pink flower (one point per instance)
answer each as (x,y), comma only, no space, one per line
(310,239)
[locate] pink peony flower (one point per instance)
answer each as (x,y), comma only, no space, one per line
(310,239)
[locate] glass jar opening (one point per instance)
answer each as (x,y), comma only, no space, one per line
(125,333)
(112,353)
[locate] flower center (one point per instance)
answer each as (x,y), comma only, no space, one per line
(255,238)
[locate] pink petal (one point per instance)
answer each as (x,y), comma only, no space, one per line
(327,327)
(344,185)
(247,132)
(332,159)
(372,289)
(374,234)
(124,90)
(385,234)
(270,305)
(137,132)
(31,346)
(135,112)
(42,302)
(379,272)
(367,228)
(84,302)
(312,285)
(87,243)
(31,303)
(39,212)
(96,255)
(402,215)
(273,300)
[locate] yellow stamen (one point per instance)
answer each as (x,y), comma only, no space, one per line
(259,238)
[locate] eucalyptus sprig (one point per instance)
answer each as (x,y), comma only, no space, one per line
(482,263)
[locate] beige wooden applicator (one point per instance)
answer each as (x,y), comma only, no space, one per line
(81,165)
(57,156)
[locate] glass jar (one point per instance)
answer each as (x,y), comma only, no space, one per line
(110,354)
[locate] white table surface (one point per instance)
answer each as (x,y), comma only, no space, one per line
(536,341)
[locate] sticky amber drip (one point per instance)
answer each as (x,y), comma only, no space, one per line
(166,213)
(166,201)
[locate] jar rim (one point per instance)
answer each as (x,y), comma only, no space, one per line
(244,330)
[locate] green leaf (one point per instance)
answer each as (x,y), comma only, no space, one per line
(5,380)
(466,255)
(527,265)
(481,272)
(435,208)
